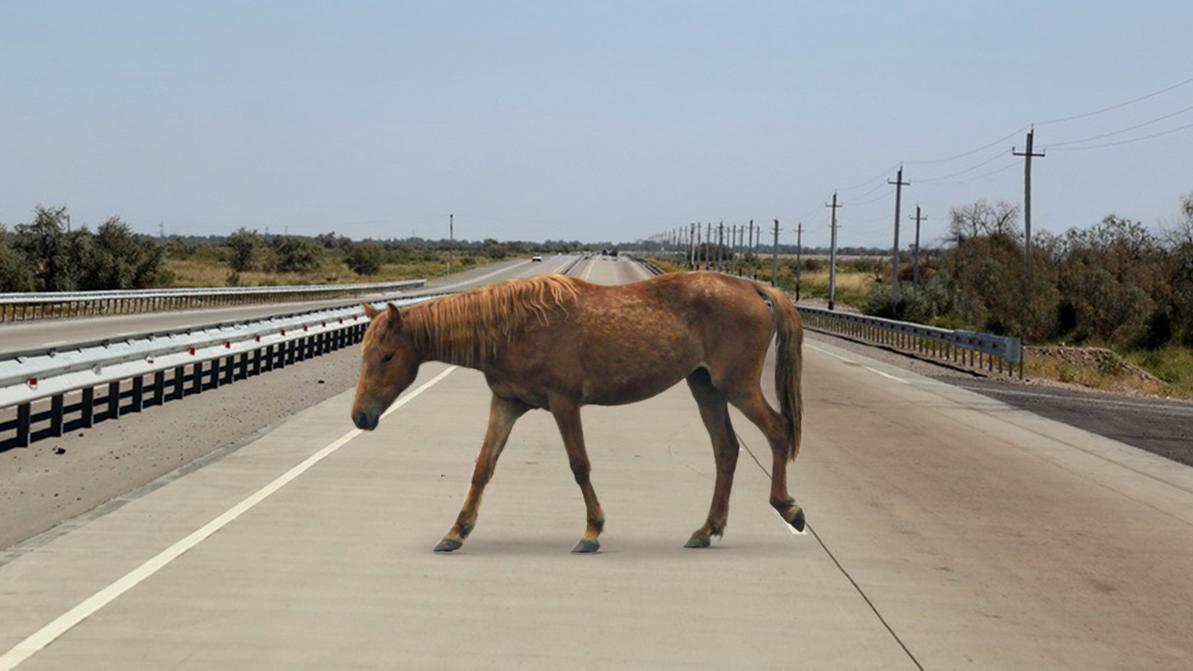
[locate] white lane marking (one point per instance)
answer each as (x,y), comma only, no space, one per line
(847,360)
(49,633)
(832,354)
(887,375)
(591,263)
(478,279)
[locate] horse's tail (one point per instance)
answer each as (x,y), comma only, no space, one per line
(788,362)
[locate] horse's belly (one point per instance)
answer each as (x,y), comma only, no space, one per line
(630,383)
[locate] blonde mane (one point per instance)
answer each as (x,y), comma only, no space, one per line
(470,328)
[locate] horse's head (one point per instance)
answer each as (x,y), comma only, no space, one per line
(388,365)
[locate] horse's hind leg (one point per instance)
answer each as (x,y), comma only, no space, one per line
(567,417)
(714,410)
(750,401)
(502,415)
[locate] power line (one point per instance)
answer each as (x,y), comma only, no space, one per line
(1122,130)
(880,176)
(973,151)
(1170,131)
(976,178)
(1118,105)
(971,168)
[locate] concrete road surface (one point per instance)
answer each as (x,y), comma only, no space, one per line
(948,530)
(57,332)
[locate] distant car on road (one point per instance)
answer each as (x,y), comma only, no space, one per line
(536,257)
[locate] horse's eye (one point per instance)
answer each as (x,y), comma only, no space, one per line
(385,358)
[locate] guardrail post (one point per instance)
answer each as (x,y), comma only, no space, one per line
(87,408)
(177,381)
(138,394)
(24,416)
(113,400)
(56,412)
(197,378)
(244,366)
(159,387)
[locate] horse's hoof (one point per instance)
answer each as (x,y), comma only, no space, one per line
(697,541)
(586,546)
(448,545)
(797,520)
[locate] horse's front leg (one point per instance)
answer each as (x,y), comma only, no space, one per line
(502,415)
(567,417)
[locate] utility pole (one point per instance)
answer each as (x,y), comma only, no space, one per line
(730,261)
(774,258)
(754,250)
(1028,154)
(899,184)
(737,235)
(451,239)
(735,246)
(708,247)
(832,254)
(720,245)
(749,245)
(692,245)
(799,250)
(915,268)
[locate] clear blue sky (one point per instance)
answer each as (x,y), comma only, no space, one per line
(569,120)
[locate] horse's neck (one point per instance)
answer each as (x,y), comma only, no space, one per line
(434,346)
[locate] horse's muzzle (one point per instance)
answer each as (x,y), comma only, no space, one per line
(364,420)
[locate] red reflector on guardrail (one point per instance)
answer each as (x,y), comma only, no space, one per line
(304,327)
(258,338)
(283,331)
(191,350)
(227,344)
(32,382)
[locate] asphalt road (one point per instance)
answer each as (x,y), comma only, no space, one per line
(58,332)
(1159,426)
(949,530)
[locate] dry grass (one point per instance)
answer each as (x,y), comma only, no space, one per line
(1166,373)
(210,272)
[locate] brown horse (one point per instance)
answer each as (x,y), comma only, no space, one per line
(558,343)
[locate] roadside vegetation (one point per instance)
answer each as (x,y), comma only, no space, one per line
(46,254)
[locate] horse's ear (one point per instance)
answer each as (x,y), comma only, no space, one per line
(370,311)
(395,317)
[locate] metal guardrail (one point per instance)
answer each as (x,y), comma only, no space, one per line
(118,376)
(982,351)
(650,266)
(145,371)
(27,306)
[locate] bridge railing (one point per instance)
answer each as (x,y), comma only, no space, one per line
(60,389)
(970,349)
(25,306)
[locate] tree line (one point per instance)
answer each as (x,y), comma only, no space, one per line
(45,254)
